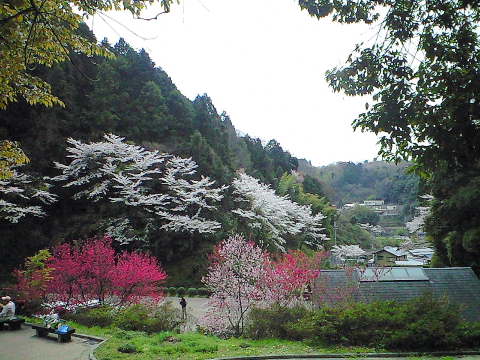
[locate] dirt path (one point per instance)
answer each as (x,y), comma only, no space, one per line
(196,308)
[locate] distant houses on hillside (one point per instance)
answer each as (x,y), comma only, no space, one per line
(389,256)
(393,256)
(378,206)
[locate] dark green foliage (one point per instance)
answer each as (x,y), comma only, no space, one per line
(101,316)
(191,292)
(362,215)
(203,292)
(274,322)
(172,291)
(181,291)
(419,324)
(142,318)
(128,348)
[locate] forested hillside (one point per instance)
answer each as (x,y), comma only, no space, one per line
(128,96)
(347,182)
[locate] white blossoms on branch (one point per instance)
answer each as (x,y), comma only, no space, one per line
(344,252)
(277,215)
(417,223)
(19,192)
(160,184)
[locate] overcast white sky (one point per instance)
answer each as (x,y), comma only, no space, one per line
(263,62)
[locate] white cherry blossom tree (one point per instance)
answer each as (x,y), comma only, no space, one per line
(344,252)
(161,184)
(278,216)
(22,195)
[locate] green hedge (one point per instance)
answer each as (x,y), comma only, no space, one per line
(419,324)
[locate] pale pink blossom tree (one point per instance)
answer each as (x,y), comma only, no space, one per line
(241,275)
(234,279)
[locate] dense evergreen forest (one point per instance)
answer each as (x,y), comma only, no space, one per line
(129,96)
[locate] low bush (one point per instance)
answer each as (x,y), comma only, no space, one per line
(181,291)
(143,318)
(420,324)
(172,291)
(203,292)
(127,348)
(102,316)
(273,322)
(192,292)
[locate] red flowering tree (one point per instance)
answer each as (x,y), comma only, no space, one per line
(287,278)
(93,272)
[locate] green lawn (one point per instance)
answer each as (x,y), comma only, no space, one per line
(193,345)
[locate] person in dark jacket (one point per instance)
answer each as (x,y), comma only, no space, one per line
(183,304)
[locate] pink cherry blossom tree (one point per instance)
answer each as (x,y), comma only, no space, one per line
(286,279)
(235,279)
(241,275)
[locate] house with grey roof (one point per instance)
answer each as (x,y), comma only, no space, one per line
(460,285)
(388,255)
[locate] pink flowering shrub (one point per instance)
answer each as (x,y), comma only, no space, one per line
(242,275)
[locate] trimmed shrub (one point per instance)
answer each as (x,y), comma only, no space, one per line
(172,291)
(102,316)
(142,318)
(420,324)
(181,291)
(203,292)
(273,322)
(191,292)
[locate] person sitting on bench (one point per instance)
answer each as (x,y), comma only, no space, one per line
(8,310)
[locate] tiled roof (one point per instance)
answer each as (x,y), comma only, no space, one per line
(460,285)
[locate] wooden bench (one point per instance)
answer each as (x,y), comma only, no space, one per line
(13,324)
(43,331)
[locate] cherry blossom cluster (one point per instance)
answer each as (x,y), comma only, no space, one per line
(160,184)
(277,215)
(19,192)
(242,275)
(344,252)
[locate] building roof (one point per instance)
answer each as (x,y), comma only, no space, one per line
(392,250)
(411,262)
(422,252)
(460,285)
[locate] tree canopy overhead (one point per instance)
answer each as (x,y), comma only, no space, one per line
(422,68)
(44,32)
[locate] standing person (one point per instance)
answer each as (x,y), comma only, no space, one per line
(183,304)
(8,310)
